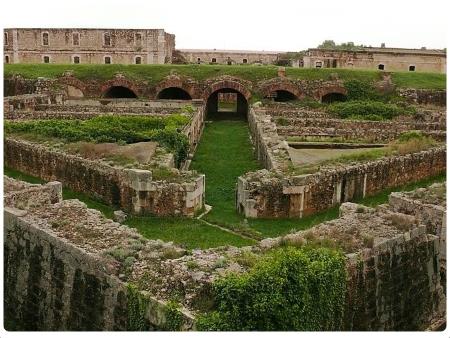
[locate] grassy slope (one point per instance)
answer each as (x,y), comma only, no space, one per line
(155,73)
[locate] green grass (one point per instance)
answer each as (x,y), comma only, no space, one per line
(419,80)
(223,154)
(191,233)
(155,73)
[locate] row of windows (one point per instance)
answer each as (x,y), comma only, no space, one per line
(76,39)
(411,68)
(76,59)
(214,60)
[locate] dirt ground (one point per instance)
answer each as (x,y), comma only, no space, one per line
(141,152)
(302,157)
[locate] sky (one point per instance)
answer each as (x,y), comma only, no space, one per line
(277,25)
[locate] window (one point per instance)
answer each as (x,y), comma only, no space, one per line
(107,60)
(381,66)
(334,63)
(5,39)
(213,60)
(46,59)
(6,58)
(76,39)
(138,60)
(45,39)
(138,39)
(244,61)
(76,59)
(106,39)
(412,68)
(319,64)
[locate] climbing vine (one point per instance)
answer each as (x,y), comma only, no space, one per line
(137,308)
(289,289)
(174,318)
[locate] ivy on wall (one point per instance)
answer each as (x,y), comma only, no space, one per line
(300,289)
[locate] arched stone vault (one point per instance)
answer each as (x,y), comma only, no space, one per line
(271,86)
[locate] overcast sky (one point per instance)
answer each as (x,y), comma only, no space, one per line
(279,25)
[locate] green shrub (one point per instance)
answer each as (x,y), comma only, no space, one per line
(100,129)
(289,289)
(373,110)
(360,90)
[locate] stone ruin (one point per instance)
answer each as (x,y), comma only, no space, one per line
(68,267)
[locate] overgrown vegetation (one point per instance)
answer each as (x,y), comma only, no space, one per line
(155,73)
(368,110)
(128,129)
(290,289)
(407,143)
(137,309)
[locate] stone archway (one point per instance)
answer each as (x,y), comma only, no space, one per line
(75,88)
(173,93)
(332,94)
(119,92)
(229,87)
(281,90)
(176,88)
(122,86)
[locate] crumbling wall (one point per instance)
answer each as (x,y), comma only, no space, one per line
(261,194)
(373,131)
(53,283)
(270,149)
(424,96)
(395,285)
(132,190)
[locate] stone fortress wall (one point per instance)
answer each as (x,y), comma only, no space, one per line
(230,57)
(386,59)
(155,46)
(81,45)
(60,276)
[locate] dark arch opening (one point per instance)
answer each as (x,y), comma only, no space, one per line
(334,97)
(235,105)
(282,96)
(174,93)
(119,92)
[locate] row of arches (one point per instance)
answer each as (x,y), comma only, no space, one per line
(174,88)
(175,93)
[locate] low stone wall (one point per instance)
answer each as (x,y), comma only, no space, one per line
(260,194)
(424,96)
(434,216)
(373,131)
(132,190)
(57,280)
(28,102)
(270,149)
